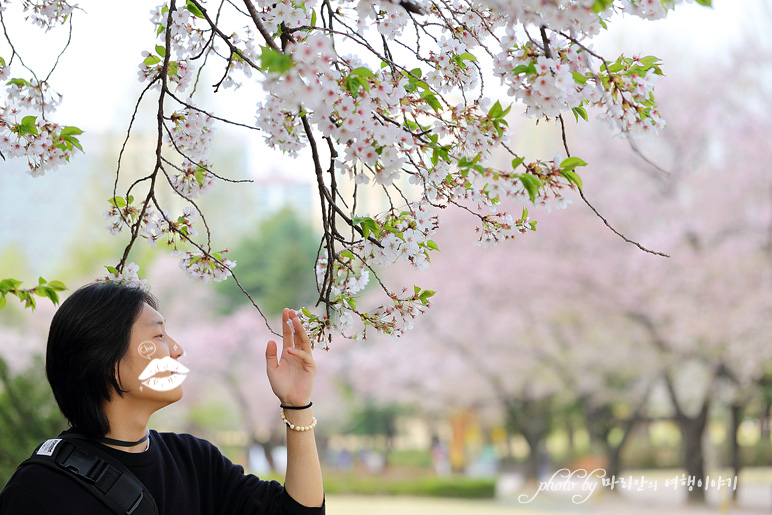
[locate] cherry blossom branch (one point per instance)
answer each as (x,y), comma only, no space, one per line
(159,140)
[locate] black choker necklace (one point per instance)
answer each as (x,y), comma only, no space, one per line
(122,443)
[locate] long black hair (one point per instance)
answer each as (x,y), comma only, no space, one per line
(89,336)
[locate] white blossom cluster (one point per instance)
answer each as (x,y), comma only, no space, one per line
(187,37)
(157,225)
(23,130)
(45,13)
(129,277)
(549,87)
(205,267)
(407,238)
(43,149)
(451,70)
(390,17)
(25,127)
(192,136)
(345,281)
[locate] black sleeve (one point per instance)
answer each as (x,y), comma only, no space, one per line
(246,494)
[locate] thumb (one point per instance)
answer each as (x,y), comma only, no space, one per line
(271,359)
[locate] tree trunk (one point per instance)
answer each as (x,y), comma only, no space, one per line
(614,455)
(736,410)
(764,422)
(692,429)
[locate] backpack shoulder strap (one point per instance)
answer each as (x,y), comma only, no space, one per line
(98,472)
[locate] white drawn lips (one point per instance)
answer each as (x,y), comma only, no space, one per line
(163,383)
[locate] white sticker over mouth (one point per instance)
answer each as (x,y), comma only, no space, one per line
(163,383)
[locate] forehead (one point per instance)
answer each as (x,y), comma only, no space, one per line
(148,317)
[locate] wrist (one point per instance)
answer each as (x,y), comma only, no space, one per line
(298,421)
(290,406)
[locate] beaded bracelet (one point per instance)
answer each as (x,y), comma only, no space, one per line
(298,428)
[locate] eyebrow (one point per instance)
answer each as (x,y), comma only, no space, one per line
(156,322)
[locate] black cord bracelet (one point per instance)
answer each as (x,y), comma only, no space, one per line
(282,406)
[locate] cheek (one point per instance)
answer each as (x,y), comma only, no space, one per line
(129,371)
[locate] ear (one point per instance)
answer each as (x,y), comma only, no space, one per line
(120,391)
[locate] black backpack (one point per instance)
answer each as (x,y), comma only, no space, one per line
(98,472)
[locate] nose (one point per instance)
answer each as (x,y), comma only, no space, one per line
(176,350)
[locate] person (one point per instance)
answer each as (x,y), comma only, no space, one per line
(111,364)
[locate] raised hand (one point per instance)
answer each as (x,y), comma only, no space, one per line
(292,375)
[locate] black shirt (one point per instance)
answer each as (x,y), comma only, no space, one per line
(185,475)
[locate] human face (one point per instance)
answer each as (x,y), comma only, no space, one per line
(149,370)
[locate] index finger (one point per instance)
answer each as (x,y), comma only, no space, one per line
(302,341)
(287,330)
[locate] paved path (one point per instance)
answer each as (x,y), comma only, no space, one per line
(630,504)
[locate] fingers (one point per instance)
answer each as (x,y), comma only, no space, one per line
(286,332)
(271,358)
(308,361)
(301,339)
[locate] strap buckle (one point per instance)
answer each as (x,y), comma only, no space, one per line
(87,466)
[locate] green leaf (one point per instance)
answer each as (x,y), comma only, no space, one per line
(274,61)
(346,254)
(160,30)
(130,199)
(571,163)
(432,245)
(111,269)
(151,60)
(601,5)
(71,140)
(416,290)
(195,11)
(431,99)
(173,68)
(313,18)
(9,284)
(362,72)
(353,83)
(580,111)
(117,202)
(369,226)
(706,3)
(307,313)
(160,50)
(528,69)
(2,301)
(579,78)
(572,176)
(51,294)
(531,185)
(466,56)
(57,286)
(71,131)
(425,295)
(27,126)
(496,110)
(41,281)
(517,162)
(17,82)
